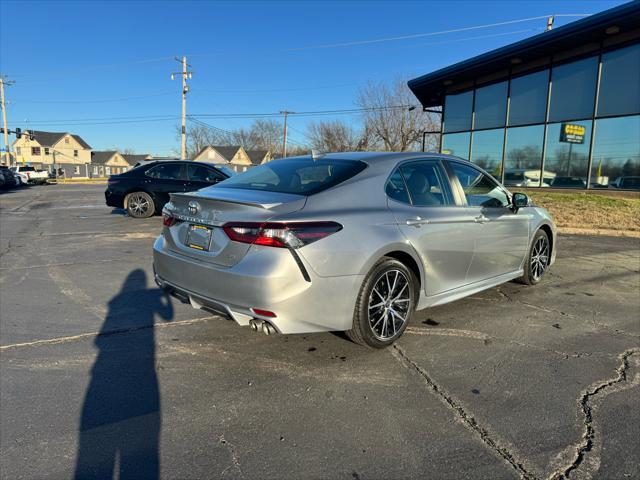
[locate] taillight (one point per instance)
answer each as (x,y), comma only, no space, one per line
(281,235)
(168,219)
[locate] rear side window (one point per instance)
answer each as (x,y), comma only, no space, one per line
(167,171)
(299,176)
(427,184)
(396,188)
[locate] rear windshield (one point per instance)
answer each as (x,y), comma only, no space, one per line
(298,175)
(27,169)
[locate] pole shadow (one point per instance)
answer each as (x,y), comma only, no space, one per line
(121,416)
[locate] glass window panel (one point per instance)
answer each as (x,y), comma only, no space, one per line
(457,112)
(573,89)
(479,189)
(620,82)
(426,183)
(566,158)
(456,144)
(396,188)
(523,156)
(616,153)
(528,98)
(486,150)
(491,106)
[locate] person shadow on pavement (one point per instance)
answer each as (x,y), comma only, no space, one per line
(121,416)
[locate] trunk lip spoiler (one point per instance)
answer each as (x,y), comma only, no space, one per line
(265,206)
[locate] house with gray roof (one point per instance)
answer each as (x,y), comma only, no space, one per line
(66,153)
(232,156)
(110,162)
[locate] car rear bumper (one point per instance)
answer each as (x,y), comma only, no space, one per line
(266,278)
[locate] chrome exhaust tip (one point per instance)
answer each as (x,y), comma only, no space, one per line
(255,325)
(268,329)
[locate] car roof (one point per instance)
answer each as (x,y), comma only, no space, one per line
(381,157)
(164,162)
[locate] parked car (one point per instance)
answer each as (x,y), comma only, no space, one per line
(145,189)
(631,182)
(352,241)
(32,175)
(568,182)
(10,179)
(3,182)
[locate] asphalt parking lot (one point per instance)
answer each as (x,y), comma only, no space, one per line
(100,371)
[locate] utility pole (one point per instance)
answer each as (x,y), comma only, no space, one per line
(7,154)
(185,89)
(284,143)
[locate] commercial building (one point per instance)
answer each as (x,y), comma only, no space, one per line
(559,109)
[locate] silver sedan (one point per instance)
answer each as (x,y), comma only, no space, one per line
(351,242)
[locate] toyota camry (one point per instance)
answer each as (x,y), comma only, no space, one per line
(351,242)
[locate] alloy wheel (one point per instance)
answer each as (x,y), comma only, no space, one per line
(539,257)
(389,304)
(139,205)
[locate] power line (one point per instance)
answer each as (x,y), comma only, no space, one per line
(430,34)
(142,118)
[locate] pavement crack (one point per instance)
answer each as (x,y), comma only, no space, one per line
(467,418)
(586,403)
(235,461)
(511,298)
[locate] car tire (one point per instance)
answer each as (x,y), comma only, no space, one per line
(388,292)
(537,260)
(140,205)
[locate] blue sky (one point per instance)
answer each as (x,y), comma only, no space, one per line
(74,61)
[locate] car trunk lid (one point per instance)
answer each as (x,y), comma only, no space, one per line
(197,231)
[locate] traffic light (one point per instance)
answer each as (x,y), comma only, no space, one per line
(18,133)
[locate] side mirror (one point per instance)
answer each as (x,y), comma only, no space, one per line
(520,200)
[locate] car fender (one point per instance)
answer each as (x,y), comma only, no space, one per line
(542,219)
(391,250)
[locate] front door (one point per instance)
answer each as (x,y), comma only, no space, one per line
(442,232)
(502,239)
(201,176)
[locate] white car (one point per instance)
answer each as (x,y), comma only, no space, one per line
(29,174)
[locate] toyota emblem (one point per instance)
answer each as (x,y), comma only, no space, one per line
(193,207)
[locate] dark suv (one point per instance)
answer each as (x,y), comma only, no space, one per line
(145,189)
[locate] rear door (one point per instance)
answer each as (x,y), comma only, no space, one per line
(501,240)
(431,218)
(201,176)
(164,179)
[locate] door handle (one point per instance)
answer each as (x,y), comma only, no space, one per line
(481,219)
(417,222)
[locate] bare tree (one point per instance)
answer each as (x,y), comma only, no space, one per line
(391,118)
(199,136)
(335,136)
(261,135)
(267,134)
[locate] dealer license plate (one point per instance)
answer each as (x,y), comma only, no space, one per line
(199,237)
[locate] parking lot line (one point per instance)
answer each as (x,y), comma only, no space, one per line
(55,341)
